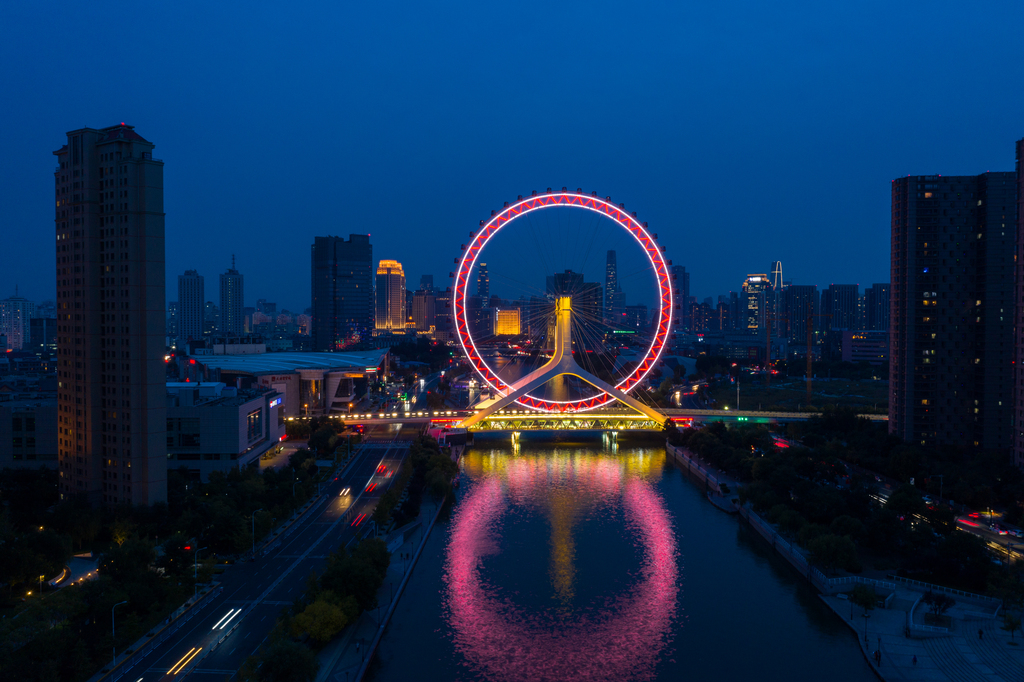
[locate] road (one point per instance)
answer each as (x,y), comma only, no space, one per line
(253,593)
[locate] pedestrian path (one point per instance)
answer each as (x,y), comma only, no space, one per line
(957,656)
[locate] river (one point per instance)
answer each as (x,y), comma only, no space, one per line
(578,561)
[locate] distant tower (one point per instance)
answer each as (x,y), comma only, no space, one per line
(231,296)
(390,296)
(342,291)
(755,289)
(776,276)
(483,282)
(427,282)
(611,286)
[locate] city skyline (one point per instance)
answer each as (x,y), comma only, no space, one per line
(787,145)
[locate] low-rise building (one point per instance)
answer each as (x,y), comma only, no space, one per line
(28,433)
(214,427)
(871,346)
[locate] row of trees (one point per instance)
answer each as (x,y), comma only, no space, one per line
(815,500)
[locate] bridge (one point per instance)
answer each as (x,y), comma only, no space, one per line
(614,419)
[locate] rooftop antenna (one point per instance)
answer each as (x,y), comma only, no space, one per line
(232,261)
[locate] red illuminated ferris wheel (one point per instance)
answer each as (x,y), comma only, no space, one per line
(623,222)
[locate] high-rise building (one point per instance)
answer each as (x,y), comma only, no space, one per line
(191,307)
(952,305)
(1018,331)
(839,306)
(776,286)
(681,293)
(211,319)
(43,336)
(390,296)
(876,307)
(342,291)
(755,294)
(506,322)
(427,283)
(15,313)
(232,288)
(636,317)
(110,340)
(800,305)
(424,312)
(614,298)
(483,282)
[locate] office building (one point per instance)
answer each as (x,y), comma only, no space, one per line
(867,346)
(800,303)
(110,340)
(427,283)
(483,282)
(232,288)
(952,306)
(614,297)
(342,291)
(191,307)
(876,307)
(15,313)
(839,306)
(755,298)
(506,322)
(390,296)
(43,336)
(215,427)
(424,314)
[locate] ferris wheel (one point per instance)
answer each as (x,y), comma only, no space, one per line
(588,325)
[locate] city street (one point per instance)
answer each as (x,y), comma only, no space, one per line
(232,626)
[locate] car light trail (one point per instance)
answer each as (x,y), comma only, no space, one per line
(177,667)
(230,611)
(370,487)
(358,519)
(230,619)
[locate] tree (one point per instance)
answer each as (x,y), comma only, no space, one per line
(938,602)
(864,596)
(832,552)
(1011,623)
(282,661)
(321,620)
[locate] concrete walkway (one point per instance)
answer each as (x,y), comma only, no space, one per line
(341,660)
(959,656)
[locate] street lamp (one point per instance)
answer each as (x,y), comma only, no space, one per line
(866,616)
(195,573)
(254,532)
(113,632)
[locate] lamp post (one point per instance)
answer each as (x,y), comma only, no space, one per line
(866,616)
(195,573)
(113,632)
(254,532)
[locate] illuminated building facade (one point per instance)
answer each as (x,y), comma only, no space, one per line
(424,310)
(952,306)
(755,294)
(390,296)
(109,222)
(15,313)
(483,282)
(1018,330)
(506,322)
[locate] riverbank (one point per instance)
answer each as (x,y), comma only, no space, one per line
(972,649)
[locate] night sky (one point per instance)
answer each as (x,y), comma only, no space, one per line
(743,132)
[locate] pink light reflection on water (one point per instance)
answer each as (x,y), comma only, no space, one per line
(503,641)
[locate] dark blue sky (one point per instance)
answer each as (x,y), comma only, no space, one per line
(741,131)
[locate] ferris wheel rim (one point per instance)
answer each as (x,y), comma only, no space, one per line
(591,202)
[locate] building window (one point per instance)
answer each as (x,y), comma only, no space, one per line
(254,422)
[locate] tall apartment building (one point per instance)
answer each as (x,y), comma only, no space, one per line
(390,296)
(342,291)
(191,307)
(232,290)
(15,313)
(876,307)
(614,297)
(952,306)
(1018,331)
(110,316)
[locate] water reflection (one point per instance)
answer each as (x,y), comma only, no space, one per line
(623,636)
